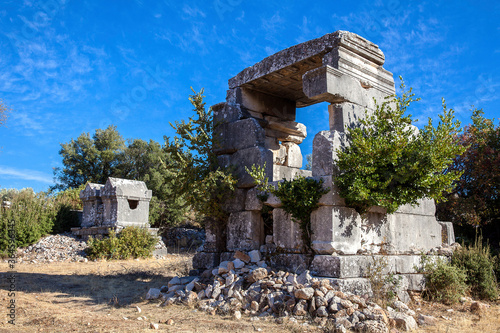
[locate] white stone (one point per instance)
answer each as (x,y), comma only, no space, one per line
(153,293)
(254,256)
(238,263)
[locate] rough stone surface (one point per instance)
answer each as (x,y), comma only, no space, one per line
(248,157)
(288,235)
(404,322)
(252,202)
(343,116)
(294,262)
(245,231)
(236,202)
(241,134)
(325,144)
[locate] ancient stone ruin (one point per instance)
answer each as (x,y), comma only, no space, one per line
(117,204)
(257,126)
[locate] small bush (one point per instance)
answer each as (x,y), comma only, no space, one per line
(444,282)
(479,266)
(384,284)
(32,215)
(131,242)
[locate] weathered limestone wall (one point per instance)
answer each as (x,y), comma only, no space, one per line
(256,125)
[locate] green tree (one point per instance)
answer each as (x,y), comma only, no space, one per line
(90,159)
(387,164)
(200,179)
(94,159)
(475,199)
(149,162)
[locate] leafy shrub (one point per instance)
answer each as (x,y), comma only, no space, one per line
(386,164)
(444,282)
(384,285)
(299,197)
(33,216)
(479,266)
(131,242)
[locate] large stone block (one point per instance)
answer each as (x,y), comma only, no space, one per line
(325,144)
(281,172)
(296,263)
(260,102)
(412,233)
(236,201)
(356,286)
(328,84)
(241,134)
(293,155)
(343,116)
(228,113)
(332,198)
(354,266)
(335,229)
(287,127)
(425,207)
(252,201)
(284,137)
(353,56)
(248,157)
(287,234)
(245,231)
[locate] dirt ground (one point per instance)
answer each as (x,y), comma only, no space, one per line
(104,296)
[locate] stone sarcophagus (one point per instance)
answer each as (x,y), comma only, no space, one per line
(118,203)
(256,125)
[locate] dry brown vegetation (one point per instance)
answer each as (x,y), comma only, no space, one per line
(96,296)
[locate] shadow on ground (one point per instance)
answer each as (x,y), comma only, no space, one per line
(119,289)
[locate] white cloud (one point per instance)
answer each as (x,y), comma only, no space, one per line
(26,174)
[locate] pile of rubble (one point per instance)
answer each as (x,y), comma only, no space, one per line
(66,247)
(246,285)
(54,248)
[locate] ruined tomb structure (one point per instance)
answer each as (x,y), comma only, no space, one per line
(117,204)
(257,126)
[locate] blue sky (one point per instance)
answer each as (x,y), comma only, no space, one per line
(72,66)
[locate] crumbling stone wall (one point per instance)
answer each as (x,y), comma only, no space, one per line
(256,125)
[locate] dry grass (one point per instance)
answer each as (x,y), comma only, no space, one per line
(96,296)
(461,320)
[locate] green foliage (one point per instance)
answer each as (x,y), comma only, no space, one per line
(444,282)
(476,198)
(89,159)
(66,203)
(386,164)
(33,216)
(151,163)
(105,154)
(299,197)
(198,177)
(131,242)
(479,266)
(384,284)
